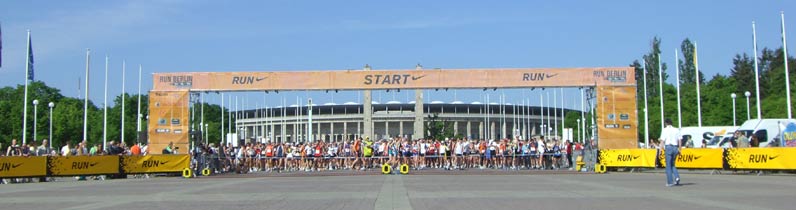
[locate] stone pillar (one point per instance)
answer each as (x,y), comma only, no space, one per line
(469,129)
(332,136)
(401,128)
(345,131)
(455,128)
(367,110)
(319,136)
(481,130)
(492,130)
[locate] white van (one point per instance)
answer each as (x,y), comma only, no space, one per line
(766,130)
(711,134)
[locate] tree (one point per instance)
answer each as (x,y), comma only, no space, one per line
(688,67)
(651,60)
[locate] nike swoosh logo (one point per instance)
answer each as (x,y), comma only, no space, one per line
(261,78)
(163,162)
(15,166)
(550,75)
(417,78)
(92,164)
(697,157)
(774,157)
(636,157)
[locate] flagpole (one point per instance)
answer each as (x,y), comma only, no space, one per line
(699,99)
(660,85)
(677,73)
(222,120)
(124,96)
(563,114)
(202,115)
(105,108)
(25,109)
(85,98)
(785,60)
(582,116)
(757,72)
(138,115)
(646,106)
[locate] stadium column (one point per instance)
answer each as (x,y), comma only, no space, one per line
(367,110)
(469,129)
(481,130)
(418,128)
(331,132)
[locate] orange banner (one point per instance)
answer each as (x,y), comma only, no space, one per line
(616,117)
(168,120)
(391,79)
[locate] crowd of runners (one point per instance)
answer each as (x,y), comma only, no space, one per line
(536,153)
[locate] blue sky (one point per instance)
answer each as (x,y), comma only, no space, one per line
(176,35)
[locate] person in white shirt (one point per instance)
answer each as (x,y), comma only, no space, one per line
(671,142)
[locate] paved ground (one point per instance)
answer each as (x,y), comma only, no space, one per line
(491,191)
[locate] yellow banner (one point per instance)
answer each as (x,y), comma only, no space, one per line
(628,157)
(155,163)
(697,158)
(761,158)
(84,165)
(23,166)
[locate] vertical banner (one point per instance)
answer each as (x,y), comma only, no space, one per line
(83,165)
(168,120)
(789,135)
(23,166)
(617,125)
(155,163)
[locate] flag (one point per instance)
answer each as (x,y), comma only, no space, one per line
(30,59)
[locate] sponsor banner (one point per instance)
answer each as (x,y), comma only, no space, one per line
(628,157)
(168,120)
(23,166)
(761,158)
(155,163)
(616,119)
(789,135)
(381,79)
(696,158)
(83,165)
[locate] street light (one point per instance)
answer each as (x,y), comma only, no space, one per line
(579,131)
(207,133)
(733,108)
(35,118)
(748,115)
(51,105)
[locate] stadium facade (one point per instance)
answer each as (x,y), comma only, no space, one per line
(336,122)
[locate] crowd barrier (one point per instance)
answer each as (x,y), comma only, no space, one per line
(780,158)
(41,166)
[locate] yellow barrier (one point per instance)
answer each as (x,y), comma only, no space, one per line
(404,169)
(761,158)
(386,169)
(23,166)
(187,173)
(696,158)
(155,163)
(628,157)
(83,165)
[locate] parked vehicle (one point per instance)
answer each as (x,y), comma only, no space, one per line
(767,131)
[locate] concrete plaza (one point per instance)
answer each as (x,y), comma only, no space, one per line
(492,191)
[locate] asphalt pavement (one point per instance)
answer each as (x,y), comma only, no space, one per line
(430,190)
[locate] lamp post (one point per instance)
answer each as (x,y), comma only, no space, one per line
(51,105)
(207,133)
(579,130)
(748,115)
(35,118)
(733,108)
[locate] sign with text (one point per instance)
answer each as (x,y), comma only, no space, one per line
(23,166)
(83,165)
(633,158)
(155,163)
(783,158)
